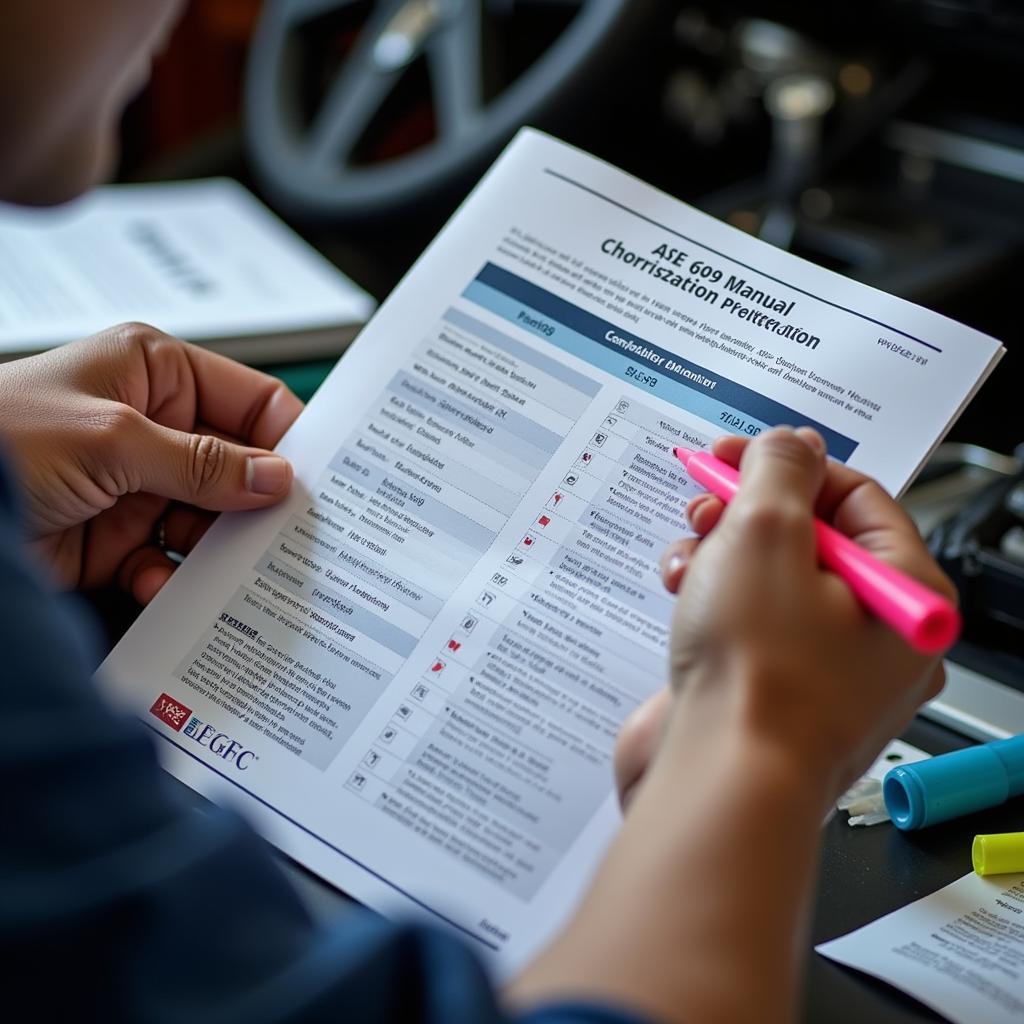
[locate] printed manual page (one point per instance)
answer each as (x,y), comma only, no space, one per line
(411,674)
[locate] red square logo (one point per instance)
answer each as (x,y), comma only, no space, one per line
(170,711)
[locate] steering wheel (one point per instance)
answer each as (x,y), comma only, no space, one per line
(358,110)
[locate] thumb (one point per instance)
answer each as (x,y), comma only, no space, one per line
(784,468)
(781,473)
(638,741)
(207,471)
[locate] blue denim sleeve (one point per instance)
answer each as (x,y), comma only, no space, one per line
(120,902)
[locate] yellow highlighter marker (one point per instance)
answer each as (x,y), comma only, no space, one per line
(998,854)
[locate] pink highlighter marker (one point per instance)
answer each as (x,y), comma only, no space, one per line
(927,621)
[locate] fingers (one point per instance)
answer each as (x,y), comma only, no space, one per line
(772,515)
(873,520)
(146,569)
(158,389)
(637,742)
(239,400)
(144,572)
(841,484)
(860,508)
(674,561)
(180,385)
(704,511)
(184,527)
(936,683)
(729,447)
(122,528)
(783,468)
(202,469)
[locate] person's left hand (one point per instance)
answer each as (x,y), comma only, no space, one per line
(130,433)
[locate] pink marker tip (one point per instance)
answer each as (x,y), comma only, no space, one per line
(683,455)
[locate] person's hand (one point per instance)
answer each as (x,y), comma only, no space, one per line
(766,642)
(782,691)
(132,433)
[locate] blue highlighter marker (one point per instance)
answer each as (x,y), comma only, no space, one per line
(951,785)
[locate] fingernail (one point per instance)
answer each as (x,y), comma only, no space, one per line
(265,474)
(695,503)
(812,439)
(674,565)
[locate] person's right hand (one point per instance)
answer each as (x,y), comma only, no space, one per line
(767,645)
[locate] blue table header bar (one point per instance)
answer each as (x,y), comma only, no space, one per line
(684,372)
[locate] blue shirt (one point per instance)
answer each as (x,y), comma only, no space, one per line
(120,902)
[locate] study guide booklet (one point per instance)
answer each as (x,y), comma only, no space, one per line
(411,673)
(204,260)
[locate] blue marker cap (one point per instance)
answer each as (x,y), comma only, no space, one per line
(950,785)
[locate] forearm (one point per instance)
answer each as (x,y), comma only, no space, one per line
(699,911)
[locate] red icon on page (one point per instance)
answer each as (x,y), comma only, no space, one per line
(528,541)
(556,498)
(454,645)
(544,520)
(586,457)
(170,711)
(438,666)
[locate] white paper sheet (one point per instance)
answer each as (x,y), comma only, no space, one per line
(411,674)
(959,950)
(200,259)
(864,800)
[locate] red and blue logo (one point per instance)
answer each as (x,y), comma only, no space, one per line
(219,743)
(175,714)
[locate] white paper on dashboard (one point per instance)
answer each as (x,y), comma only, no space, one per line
(411,674)
(959,950)
(200,259)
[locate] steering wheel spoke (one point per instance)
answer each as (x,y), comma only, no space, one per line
(298,12)
(455,59)
(508,7)
(364,110)
(355,95)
